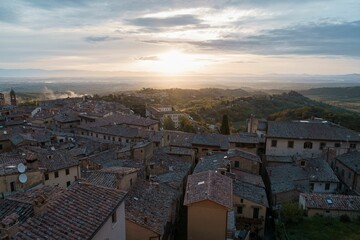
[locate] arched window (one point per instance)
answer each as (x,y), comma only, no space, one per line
(308,145)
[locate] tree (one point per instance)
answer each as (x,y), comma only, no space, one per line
(290,212)
(186,125)
(168,124)
(225,129)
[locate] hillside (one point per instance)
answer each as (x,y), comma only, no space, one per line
(207,106)
(347,97)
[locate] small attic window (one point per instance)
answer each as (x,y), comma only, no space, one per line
(329,201)
(202,182)
(49,156)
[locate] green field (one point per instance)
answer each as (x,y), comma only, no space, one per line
(320,228)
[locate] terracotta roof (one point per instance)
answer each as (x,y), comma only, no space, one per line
(351,160)
(331,201)
(244,138)
(78,213)
(151,205)
(181,139)
(322,130)
(251,178)
(23,210)
(250,192)
(209,186)
(107,177)
(54,160)
(212,162)
(9,162)
(214,140)
(243,154)
(119,119)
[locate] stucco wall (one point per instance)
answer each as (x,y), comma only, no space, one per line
(113,231)
(137,232)
(63,178)
(206,220)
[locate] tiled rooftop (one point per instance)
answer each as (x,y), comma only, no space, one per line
(351,160)
(332,201)
(214,140)
(151,205)
(250,192)
(78,213)
(181,139)
(212,162)
(119,119)
(311,130)
(23,210)
(244,138)
(232,153)
(54,160)
(209,186)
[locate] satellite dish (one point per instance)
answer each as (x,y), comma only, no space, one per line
(23,178)
(21,168)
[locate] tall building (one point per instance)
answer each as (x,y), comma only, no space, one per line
(2,99)
(12,97)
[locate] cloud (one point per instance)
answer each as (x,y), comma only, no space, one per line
(95,39)
(147,58)
(315,39)
(180,20)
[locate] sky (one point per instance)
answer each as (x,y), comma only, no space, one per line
(182,37)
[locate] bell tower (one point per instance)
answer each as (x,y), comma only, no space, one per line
(12,97)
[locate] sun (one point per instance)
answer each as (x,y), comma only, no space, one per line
(175,62)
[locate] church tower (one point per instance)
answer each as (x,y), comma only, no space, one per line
(12,97)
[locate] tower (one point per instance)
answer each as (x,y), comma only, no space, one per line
(2,99)
(12,97)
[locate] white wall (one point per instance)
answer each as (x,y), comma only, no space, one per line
(113,231)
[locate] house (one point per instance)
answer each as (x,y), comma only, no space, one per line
(66,121)
(208,198)
(288,180)
(203,143)
(9,174)
(151,211)
(160,112)
(5,143)
(99,213)
(330,205)
(121,178)
(250,205)
(59,167)
(308,138)
(245,161)
(244,141)
(347,168)
(218,162)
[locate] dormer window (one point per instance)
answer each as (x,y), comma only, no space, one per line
(308,145)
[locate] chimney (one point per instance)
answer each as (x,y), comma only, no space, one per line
(9,226)
(40,205)
(31,161)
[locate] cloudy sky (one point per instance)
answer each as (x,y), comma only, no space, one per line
(182,37)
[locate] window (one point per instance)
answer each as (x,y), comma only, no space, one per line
(237,164)
(67,171)
(91,134)
(56,174)
(97,135)
(290,144)
(343,172)
(273,143)
(322,145)
(12,186)
(113,138)
(68,183)
(302,163)
(337,145)
(113,217)
(46,176)
(256,213)
(104,137)
(307,145)
(131,182)
(239,210)
(241,200)
(311,186)
(327,186)
(349,175)
(352,145)
(1,147)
